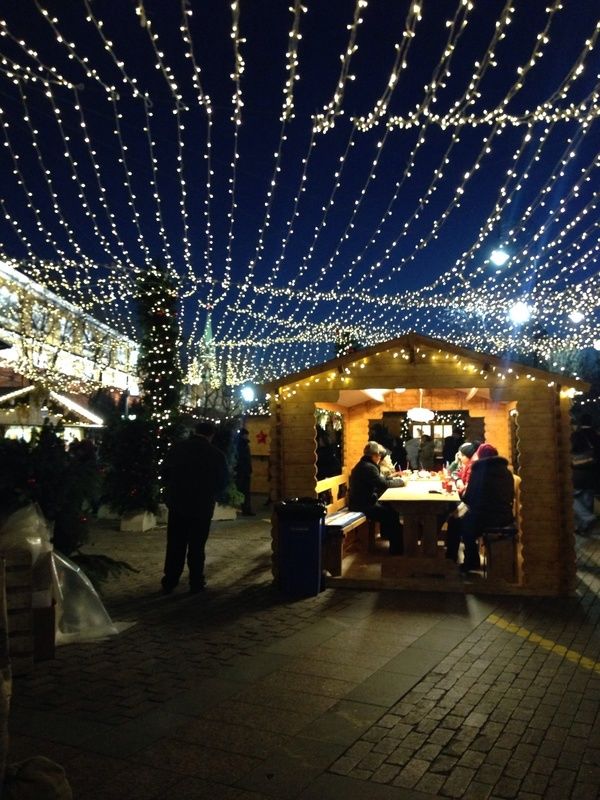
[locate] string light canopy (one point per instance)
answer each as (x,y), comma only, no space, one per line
(420,414)
(364,186)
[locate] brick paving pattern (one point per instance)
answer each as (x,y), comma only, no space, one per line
(242,694)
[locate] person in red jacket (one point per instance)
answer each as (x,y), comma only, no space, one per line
(489,497)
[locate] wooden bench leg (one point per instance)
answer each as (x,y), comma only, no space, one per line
(373,534)
(333,545)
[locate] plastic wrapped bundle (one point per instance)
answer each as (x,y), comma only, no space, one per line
(80,614)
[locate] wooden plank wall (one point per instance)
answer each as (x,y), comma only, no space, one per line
(546,495)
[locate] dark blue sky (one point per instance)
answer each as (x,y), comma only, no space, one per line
(435,185)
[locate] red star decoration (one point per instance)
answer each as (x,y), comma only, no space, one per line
(261,437)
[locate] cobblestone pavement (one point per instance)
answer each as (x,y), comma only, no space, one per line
(239,693)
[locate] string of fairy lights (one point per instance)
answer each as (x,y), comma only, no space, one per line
(352,203)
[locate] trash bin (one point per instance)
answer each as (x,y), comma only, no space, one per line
(300,537)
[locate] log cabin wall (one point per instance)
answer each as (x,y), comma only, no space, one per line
(496,418)
(547,536)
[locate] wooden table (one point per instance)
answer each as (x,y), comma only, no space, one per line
(420,503)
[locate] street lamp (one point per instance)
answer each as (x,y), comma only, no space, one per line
(499,257)
(519,313)
(248,394)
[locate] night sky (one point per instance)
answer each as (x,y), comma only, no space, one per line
(326,226)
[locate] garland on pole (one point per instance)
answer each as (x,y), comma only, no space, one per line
(159,362)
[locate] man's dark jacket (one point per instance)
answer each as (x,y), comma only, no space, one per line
(366,485)
(195,473)
(490,492)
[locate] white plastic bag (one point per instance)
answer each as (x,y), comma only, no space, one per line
(80,614)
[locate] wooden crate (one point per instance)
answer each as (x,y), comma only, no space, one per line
(19,611)
(5,675)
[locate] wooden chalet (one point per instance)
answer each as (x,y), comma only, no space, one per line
(523,411)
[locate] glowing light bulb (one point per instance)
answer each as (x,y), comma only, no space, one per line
(576,316)
(519,313)
(499,257)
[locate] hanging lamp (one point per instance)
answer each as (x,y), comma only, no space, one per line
(418,413)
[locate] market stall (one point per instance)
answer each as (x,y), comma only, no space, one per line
(378,391)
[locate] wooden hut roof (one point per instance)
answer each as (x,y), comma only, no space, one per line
(412,342)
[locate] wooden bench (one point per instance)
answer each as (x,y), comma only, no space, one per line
(345,530)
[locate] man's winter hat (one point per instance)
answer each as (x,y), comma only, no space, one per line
(486,451)
(371,448)
(468,449)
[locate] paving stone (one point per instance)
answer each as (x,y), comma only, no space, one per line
(457,782)
(429,751)
(385,746)
(385,773)
(430,783)
(477,791)
(401,755)
(371,761)
(507,787)
(471,759)
(344,765)
(585,791)
(443,764)
(411,773)
(489,773)
(441,736)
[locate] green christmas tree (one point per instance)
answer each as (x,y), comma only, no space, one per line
(129,454)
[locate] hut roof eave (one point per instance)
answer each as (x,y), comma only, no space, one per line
(412,341)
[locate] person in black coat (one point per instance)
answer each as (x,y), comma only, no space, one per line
(489,496)
(367,484)
(195,473)
(243,470)
(451,445)
(585,446)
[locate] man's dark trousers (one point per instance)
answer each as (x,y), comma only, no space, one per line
(186,534)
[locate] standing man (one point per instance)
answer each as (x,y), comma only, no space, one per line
(412,447)
(195,473)
(585,445)
(450,449)
(243,470)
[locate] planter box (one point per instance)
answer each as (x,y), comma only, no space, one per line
(224,512)
(106,512)
(139,521)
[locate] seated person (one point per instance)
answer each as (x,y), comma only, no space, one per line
(465,458)
(489,497)
(367,484)
(386,467)
(461,478)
